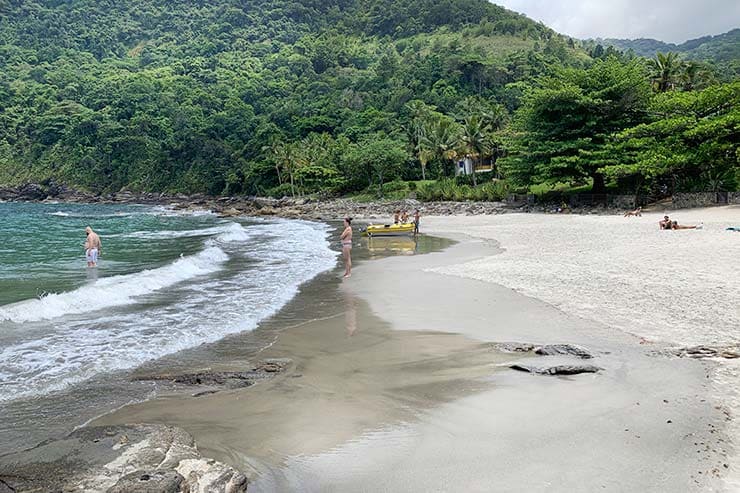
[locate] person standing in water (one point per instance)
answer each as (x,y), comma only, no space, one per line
(93,247)
(417,218)
(346,240)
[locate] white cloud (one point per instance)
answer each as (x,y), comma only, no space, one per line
(668,20)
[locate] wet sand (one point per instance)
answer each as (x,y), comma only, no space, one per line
(395,386)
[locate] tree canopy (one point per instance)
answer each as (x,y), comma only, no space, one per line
(282,97)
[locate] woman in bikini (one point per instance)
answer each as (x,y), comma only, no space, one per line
(346,240)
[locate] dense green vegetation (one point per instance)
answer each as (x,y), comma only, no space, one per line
(720,48)
(334,97)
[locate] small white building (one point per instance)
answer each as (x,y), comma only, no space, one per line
(465,166)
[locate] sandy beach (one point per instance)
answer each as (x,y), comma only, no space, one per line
(397,381)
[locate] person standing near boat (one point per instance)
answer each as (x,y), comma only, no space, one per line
(346,239)
(93,247)
(417,217)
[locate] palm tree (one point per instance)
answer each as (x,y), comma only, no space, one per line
(285,155)
(274,150)
(663,71)
(694,75)
(441,137)
(420,115)
(473,138)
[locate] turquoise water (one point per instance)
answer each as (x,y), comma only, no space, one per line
(42,244)
(166,283)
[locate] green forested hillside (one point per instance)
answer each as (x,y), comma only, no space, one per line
(720,48)
(291,97)
(160,95)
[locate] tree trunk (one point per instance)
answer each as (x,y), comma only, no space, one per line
(423,171)
(475,180)
(599,185)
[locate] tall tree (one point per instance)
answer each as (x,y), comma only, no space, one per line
(474,131)
(692,138)
(664,70)
(566,121)
(441,138)
(420,114)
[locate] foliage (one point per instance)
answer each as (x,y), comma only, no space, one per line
(692,139)
(450,190)
(342,96)
(220,97)
(561,130)
(720,48)
(379,159)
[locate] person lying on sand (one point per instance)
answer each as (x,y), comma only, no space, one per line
(636,213)
(665,223)
(675,225)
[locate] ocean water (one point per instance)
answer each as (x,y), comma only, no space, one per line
(166,282)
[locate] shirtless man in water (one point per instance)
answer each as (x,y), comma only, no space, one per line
(93,247)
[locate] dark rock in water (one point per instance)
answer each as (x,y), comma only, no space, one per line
(149,482)
(557,370)
(152,458)
(563,349)
(223,379)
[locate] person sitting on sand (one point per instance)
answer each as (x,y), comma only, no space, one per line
(665,223)
(405,217)
(346,239)
(636,213)
(397,217)
(93,247)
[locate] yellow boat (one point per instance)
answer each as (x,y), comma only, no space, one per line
(389,229)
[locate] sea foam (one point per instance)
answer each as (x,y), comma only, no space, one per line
(114,291)
(198,300)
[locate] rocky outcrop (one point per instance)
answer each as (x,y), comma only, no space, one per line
(116,459)
(544,350)
(557,369)
(563,349)
(209,381)
(560,351)
(288,207)
(700,352)
(48,190)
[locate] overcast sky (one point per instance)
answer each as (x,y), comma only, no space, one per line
(673,21)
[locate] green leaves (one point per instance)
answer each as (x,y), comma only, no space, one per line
(563,126)
(693,136)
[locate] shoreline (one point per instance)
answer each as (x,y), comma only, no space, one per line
(641,414)
(339,404)
(292,207)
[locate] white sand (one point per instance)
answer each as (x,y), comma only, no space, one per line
(675,287)
(680,287)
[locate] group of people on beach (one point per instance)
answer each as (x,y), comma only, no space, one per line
(665,224)
(402,217)
(345,238)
